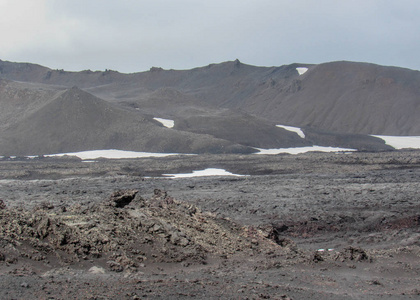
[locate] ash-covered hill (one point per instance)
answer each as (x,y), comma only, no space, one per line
(19,99)
(345,97)
(215,107)
(74,120)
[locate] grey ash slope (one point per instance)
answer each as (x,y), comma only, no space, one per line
(44,119)
(20,99)
(337,104)
(346,97)
(76,121)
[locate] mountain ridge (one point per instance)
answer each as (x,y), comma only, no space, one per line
(337,103)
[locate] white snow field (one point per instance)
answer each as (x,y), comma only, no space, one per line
(294,129)
(301,70)
(299,150)
(113,154)
(166,122)
(397,142)
(401,142)
(206,172)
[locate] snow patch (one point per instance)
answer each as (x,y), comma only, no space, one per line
(301,70)
(206,172)
(401,142)
(294,129)
(97,270)
(113,154)
(166,122)
(299,150)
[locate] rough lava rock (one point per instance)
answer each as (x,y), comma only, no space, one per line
(122,198)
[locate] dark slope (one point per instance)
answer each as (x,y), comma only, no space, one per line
(76,120)
(345,140)
(164,102)
(242,129)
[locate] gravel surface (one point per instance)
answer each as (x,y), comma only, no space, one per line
(308,226)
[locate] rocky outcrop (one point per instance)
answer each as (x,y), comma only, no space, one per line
(125,232)
(122,198)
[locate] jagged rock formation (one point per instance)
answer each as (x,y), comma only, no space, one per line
(125,233)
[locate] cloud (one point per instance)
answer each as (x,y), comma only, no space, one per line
(133,35)
(27,28)
(20,22)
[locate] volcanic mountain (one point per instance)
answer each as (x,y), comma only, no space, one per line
(226,107)
(73,120)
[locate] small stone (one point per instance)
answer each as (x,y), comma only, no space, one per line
(97,270)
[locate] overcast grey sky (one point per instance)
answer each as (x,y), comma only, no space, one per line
(134,35)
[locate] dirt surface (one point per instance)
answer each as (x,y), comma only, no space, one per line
(310,226)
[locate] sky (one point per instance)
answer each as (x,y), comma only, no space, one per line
(135,35)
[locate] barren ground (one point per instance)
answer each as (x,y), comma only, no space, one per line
(66,234)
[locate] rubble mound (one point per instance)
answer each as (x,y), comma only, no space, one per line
(123,233)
